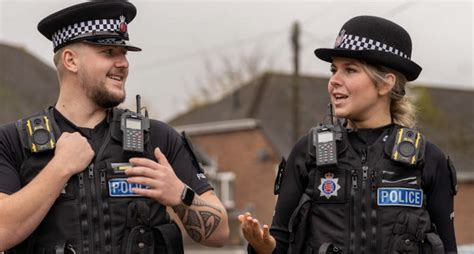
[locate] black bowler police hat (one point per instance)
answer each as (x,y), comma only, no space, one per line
(97,22)
(376,41)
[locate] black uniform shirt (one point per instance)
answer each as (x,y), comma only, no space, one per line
(436,178)
(161,135)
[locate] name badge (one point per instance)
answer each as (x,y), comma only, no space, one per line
(119,168)
(119,187)
(399,197)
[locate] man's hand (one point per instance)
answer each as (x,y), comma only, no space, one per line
(73,153)
(165,187)
(205,220)
(260,239)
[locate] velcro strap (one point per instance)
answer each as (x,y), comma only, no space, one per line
(281,168)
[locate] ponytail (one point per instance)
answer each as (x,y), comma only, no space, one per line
(402,110)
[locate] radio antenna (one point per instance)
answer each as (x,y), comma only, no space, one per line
(139,104)
(331,114)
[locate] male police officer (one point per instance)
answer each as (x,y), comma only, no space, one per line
(67,183)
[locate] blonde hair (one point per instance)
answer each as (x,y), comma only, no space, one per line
(402,110)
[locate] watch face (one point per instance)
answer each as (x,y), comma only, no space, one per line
(188,196)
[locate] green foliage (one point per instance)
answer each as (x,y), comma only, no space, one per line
(428,111)
(453,133)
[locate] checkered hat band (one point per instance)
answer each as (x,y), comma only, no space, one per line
(355,42)
(110,41)
(86,27)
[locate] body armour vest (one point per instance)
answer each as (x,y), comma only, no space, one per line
(367,203)
(87,218)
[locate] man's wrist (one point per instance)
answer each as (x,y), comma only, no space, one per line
(59,168)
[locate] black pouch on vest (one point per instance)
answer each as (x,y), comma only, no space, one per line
(140,241)
(404,244)
(299,225)
(168,239)
(408,234)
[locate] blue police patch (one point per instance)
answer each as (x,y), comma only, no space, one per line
(119,187)
(399,197)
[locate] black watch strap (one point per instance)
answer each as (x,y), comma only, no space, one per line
(187,196)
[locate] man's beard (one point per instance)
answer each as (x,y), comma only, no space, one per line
(103,98)
(97,92)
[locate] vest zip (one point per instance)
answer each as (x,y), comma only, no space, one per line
(373,199)
(84,215)
(365,170)
(106,212)
(104,231)
(353,212)
(88,185)
(95,214)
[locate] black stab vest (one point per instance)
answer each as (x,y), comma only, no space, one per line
(339,210)
(85,219)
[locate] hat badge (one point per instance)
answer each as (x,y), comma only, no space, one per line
(123,25)
(340,38)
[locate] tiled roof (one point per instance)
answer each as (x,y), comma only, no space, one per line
(27,85)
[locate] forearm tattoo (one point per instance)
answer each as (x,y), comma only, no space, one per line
(201,219)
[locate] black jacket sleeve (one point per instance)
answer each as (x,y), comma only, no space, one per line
(179,156)
(440,195)
(10,157)
(293,184)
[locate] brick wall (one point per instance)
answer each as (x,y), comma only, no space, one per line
(238,152)
(464,214)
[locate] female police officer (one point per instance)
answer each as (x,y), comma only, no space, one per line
(384,189)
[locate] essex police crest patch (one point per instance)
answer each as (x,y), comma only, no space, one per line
(329,185)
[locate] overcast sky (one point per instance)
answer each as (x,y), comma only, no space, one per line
(179,37)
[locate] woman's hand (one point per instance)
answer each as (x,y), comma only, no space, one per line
(260,239)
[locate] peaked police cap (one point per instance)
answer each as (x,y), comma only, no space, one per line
(98,22)
(376,41)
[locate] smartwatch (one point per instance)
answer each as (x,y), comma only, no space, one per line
(187,196)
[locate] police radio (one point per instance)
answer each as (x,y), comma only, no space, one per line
(407,146)
(133,126)
(324,141)
(40,134)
